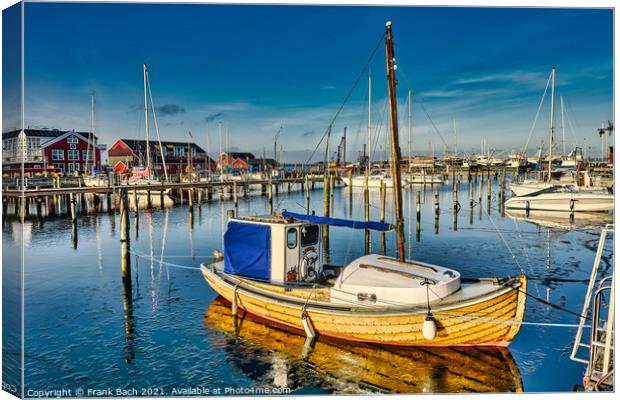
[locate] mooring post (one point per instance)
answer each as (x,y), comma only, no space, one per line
(181,195)
(125,245)
(200,197)
(39,207)
(489,189)
(307,195)
(455,195)
(230,214)
(72,207)
(149,204)
(331,190)
(235,197)
(418,215)
(382,215)
(366,215)
(326,195)
(270,195)
(436,211)
(383,197)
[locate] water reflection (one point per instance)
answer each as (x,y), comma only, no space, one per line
(561,219)
(273,356)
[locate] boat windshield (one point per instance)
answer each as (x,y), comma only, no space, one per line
(309,235)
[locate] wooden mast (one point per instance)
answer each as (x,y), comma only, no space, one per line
(398,195)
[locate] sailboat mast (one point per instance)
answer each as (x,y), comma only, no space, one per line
(369,122)
(551,128)
(146,119)
(90,135)
(563,133)
(409,123)
(398,195)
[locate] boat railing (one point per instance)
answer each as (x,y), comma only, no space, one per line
(600,346)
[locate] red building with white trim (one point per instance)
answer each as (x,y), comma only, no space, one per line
(48,150)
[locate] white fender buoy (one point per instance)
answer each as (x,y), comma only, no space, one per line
(307,324)
(429,328)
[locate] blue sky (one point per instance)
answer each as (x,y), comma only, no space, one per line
(254,67)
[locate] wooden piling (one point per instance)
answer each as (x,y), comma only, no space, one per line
(125,245)
(436,211)
(326,199)
(418,215)
(366,215)
(307,195)
(149,204)
(72,202)
(270,195)
(235,197)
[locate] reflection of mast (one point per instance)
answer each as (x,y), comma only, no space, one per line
(98,244)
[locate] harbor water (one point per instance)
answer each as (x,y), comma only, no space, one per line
(170,335)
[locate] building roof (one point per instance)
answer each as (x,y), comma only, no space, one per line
(243,156)
(49,133)
(140,145)
(260,161)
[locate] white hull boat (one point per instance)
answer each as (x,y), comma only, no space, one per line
(374,181)
(564,200)
(425,179)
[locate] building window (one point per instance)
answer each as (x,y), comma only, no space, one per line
(71,167)
(58,154)
(73,155)
(87,155)
(72,139)
(60,166)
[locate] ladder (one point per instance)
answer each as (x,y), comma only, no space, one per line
(600,346)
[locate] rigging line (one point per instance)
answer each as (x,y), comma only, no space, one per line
(537,114)
(557,307)
(346,99)
(514,257)
(432,123)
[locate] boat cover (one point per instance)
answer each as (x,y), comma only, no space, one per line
(374,225)
(247,250)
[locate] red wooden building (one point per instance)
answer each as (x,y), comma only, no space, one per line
(48,150)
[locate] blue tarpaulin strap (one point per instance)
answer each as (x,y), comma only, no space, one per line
(247,250)
(375,226)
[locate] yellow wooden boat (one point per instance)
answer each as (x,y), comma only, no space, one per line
(272,268)
(358,368)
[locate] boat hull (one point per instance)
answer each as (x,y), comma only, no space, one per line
(492,320)
(373,183)
(569,202)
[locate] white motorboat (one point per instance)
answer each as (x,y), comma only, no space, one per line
(422,178)
(563,198)
(375,179)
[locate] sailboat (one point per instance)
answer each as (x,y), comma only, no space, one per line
(271,268)
(373,179)
(144,175)
(550,195)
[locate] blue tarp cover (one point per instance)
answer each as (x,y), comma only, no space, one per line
(247,250)
(376,226)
